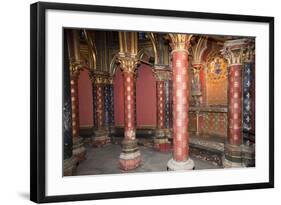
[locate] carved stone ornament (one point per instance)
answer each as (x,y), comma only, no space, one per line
(75,68)
(233,51)
(180,42)
(128,64)
(162,73)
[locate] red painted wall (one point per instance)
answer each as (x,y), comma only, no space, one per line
(146,97)
(118,98)
(85,99)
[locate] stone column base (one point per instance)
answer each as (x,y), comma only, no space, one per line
(161,142)
(79,151)
(232,156)
(112,130)
(168,133)
(248,155)
(101,138)
(230,164)
(69,166)
(130,158)
(177,166)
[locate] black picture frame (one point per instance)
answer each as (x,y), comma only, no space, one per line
(38,100)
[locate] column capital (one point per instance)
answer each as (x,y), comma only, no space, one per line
(128,64)
(98,77)
(110,80)
(180,42)
(75,68)
(162,73)
(250,52)
(233,51)
(196,67)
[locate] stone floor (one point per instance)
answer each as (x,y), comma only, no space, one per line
(105,161)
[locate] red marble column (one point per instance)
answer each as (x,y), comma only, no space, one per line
(130,158)
(233,52)
(161,142)
(101,136)
(79,151)
(180,160)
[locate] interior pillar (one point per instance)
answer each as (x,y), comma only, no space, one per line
(79,151)
(196,91)
(168,108)
(248,147)
(101,137)
(130,158)
(180,161)
(161,142)
(111,106)
(69,161)
(233,52)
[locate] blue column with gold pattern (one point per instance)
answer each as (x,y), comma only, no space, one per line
(248,148)
(247,83)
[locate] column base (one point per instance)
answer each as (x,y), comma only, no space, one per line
(101,138)
(69,166)
(168,133)
(232,156)
(230,164)
(112,130)
(79,151)
(161,142)
(173,165)
(130,158)
(248,155)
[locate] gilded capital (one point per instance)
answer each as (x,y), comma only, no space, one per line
(128,64)
(196,67)
(250,52)
(110,80)
(75,68)
(98,78)
(180,42)
(233,51)
(162,73)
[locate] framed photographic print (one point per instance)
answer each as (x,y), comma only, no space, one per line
(129,102)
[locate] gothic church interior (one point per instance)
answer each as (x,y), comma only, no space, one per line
(147,101)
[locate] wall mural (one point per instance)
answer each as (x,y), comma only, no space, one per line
(216,81)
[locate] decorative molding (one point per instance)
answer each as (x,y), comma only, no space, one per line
(197,51)
(162,73)
(233,51)
(180,42)
(128,64)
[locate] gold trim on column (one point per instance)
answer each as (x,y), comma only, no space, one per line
(180,42)
(233,51)
(162,73)
(75,68)
(128,64)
